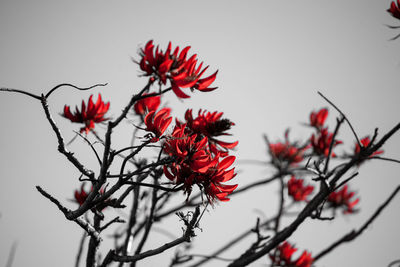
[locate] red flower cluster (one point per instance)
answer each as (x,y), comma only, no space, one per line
(297,190)
(342,199)
(198,159)
(283,257)
(322,142)
(211,125)
(175,67)
(317,119)
(285,154)
(365,142)
(395,9)
(147,104)
(89,115)
(158,122)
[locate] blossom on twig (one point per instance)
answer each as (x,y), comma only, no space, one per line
(211,125)
(88,115)
(317,119)
(174,67)
(157,123)
(282,257)
(196,165)
(321,143)
(297,190)
(395,9)
(147,104)
(365,142)
(342,199)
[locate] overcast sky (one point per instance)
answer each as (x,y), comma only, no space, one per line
(272,57)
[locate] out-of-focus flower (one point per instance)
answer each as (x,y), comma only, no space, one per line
(343,199)
(157,123)
(283,257)
(395,9)
(147,104)
(173,66)
(365,142)
(321,143)
(317,119)
(297,190)
(285,154)
(80,196)
(305,260)
(88,115)
(211,125)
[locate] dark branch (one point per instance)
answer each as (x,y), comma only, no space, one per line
(355,233)
(73,86)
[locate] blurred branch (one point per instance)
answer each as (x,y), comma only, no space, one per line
(355,233)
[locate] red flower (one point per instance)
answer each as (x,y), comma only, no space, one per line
(342,199)
(196,165)
(89,115)
(211,125)
(147,104)
(305,260)
(158,122)
(285,154)
(297,190)
(365,142)
(317,119)
(322,142)
(173,66)
(81,196)
(283,257)
(395,10)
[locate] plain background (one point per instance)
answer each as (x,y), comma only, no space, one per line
(272,57)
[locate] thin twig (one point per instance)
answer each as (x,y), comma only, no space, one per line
(79,254)
(21,92)
(61,146)
(11,255)
(73,86)
(344,116)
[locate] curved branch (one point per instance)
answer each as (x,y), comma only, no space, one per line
(73,86)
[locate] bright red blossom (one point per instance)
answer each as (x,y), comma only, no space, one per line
(211,125)
(317,119)
(196,165)
(89,115)
(297,190)
(147,104)
(365,142)
(395,9)
(173,66)
(321,143)
(283,257)
(158,122)
(342,199)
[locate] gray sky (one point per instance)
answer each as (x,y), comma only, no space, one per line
(272,57)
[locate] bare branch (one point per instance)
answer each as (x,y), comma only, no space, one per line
(73,86)
(61,146)
(21,92)
(344,116)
